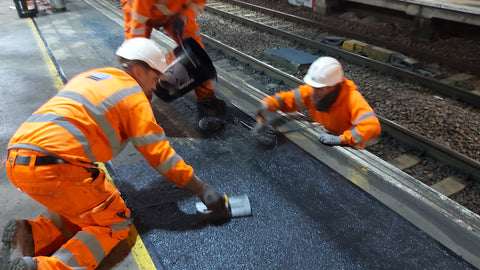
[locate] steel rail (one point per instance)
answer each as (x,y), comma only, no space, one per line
(436,86)
(392,46)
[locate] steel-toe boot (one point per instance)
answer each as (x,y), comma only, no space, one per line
(17,240)
(211,113)
(23,263)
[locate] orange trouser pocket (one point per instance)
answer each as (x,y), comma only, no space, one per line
(79,194)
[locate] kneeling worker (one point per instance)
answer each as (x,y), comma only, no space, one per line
(51,158)
(333,101)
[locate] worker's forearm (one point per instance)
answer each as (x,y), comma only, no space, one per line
(195,185)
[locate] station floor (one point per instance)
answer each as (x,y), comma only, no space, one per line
(304,215)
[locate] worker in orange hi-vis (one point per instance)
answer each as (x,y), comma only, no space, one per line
(332,100)
(51,158)
(177,17)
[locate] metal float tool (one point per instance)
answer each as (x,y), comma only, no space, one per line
(239,206)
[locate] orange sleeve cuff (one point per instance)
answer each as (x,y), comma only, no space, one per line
(180,174)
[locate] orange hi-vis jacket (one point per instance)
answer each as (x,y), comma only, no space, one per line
(141,16)
(93,118)
(159,13)
(349,117)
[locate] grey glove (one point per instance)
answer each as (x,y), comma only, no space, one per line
(260,117)
(329,139)
(259,125)
(262,111)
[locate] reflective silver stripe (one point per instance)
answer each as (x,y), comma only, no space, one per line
(139,18)
(31,147)
(65,124)
(168,164)
(67,257)
(138,31)
(298,100)
(356,136)
(164,9)
(98,113)
(120,226)
(279,100)
(92,244)
(197,9)
(148,139)
(54,217)
(57,221)
(363,117)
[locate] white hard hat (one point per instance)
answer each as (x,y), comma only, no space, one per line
(145,50)
(325,71)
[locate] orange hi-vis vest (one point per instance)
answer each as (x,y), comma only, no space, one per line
(93,118)
(349,117)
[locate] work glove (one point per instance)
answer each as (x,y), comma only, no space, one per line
(329,139)
(262,111)
(178,27)
(260,117)
(214,201)
(259,125)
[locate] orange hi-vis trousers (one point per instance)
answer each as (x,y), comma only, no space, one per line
(86,217)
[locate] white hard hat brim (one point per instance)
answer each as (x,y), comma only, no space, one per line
(312,83)
(145,50)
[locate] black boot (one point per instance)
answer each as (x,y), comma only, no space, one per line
(211,112)
(17,242)
(23,263)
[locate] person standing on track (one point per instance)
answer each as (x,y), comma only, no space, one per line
(51,158)
(333,101)
(177,17)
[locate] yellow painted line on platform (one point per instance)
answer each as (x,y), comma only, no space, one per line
(57,80)
(139,251)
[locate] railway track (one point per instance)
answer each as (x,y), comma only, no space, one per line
(341,32)
(312,36)
(245,80)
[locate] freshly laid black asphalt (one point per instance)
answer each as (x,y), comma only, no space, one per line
(304,215)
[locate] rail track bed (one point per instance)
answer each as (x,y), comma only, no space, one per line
(437,121)
(425,135)
(421,128)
